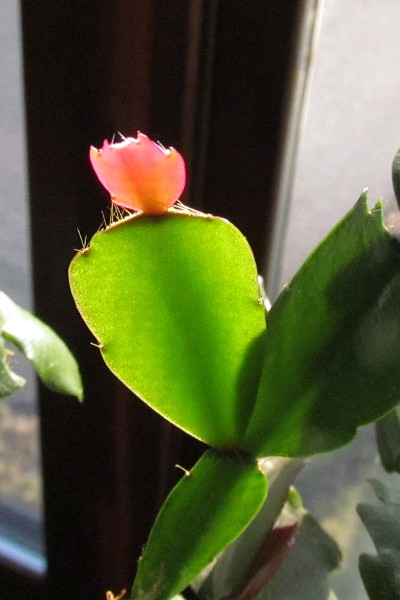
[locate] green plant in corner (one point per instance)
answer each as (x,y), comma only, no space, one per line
(173,300)
(41,346)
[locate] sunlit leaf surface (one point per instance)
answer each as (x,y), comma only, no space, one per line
(174,304)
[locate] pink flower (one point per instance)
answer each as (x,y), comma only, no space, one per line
(140,174)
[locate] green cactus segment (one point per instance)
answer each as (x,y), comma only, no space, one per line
(332,359)
(174,304)
(50,357)
(206,511)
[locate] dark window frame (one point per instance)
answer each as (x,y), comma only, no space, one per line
(209,77)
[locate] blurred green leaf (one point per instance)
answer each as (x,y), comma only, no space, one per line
(386,491)
(380,573)
(396,176)
(175,306)
(383,525)
(9,381)
(207,509)
(332,360)
(304,574)
(48,354)
(388,440)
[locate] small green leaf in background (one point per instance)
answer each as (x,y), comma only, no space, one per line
(332,360)
(48,354)
(174,303)
(304,574)
(206,511)
(381,573)
(9,381)
(388,439)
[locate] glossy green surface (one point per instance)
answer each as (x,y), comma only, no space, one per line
(48,354)
(206,511)
(174,304)
(332,360)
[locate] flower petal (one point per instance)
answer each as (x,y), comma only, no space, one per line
(140,174)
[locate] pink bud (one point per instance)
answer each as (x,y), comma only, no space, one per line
(140,174)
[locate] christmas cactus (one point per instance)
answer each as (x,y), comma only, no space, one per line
(173,299)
